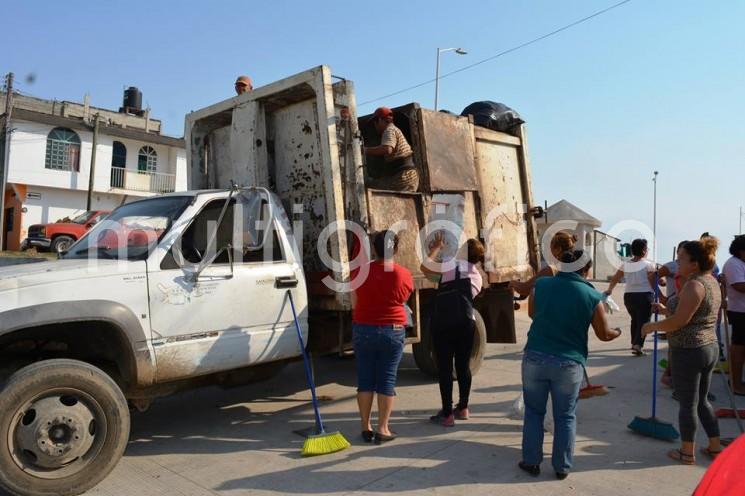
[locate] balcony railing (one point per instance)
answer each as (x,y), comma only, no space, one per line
(146,181)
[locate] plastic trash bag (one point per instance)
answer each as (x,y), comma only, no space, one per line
(517,412)
(493,115)
(610,305)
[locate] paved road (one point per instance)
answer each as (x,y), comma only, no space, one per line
(240,441)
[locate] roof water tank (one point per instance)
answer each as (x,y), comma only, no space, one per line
(132,99)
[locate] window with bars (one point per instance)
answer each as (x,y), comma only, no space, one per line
(63,150)
(147,160)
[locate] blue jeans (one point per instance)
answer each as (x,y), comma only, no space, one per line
(544,374)
(378,351)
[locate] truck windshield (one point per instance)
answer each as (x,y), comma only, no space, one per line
(82,218)
(131,231)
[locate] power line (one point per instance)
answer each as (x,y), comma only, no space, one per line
(505,52)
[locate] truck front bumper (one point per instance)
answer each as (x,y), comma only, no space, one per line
(37,242)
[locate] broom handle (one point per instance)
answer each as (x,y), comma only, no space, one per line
(656,297)
(654,361)
(319,423)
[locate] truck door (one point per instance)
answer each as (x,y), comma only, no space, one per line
(234,315)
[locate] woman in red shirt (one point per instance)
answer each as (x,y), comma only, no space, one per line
(378,324)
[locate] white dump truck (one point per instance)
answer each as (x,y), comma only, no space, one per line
(190,288)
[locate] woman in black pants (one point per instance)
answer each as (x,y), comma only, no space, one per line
(639,291)
(691,333)
(454,344)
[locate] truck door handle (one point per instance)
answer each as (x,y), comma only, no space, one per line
(285,282)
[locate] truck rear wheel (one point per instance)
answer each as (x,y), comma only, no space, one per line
(424,351)
(64,425)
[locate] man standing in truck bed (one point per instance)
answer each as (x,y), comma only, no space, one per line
(400,171)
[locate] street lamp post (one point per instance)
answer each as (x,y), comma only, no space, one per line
(459,51)
(654,219)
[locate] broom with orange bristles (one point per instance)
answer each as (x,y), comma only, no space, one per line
(591,390)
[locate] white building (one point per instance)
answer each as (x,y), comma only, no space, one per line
(50,161)
(564,216)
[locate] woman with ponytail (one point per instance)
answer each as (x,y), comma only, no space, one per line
(690,327)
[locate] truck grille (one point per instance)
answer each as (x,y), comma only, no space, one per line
(35,232)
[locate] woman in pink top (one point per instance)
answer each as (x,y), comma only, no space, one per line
(454,344)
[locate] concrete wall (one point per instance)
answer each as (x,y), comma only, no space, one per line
(28,152)
(55,204)
(603,268)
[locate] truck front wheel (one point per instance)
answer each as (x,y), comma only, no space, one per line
(424,351)
(64,425)
(62,243)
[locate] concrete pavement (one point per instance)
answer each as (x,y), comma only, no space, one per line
(240,441)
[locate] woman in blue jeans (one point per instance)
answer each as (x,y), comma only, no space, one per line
(562,308)
(378,320)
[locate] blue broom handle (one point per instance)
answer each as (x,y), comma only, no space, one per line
(308,373)
(654,361)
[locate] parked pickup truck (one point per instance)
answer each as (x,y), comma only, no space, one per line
(191,288)
(59,236)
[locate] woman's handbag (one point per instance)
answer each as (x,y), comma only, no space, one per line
(452,304)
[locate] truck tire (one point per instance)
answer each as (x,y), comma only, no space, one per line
(62,243)
(64,425)
(424,351)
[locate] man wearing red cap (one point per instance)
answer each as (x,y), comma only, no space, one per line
(400,171)
(243,85)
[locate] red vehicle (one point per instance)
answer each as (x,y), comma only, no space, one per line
(59,236)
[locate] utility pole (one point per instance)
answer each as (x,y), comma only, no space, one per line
(6,153)
(92,174)
(740,219)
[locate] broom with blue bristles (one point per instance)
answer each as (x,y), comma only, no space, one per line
(652,426)
(320,442)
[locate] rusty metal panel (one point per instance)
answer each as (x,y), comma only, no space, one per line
(298,180)
(447,143)
(503,215)
(386,208)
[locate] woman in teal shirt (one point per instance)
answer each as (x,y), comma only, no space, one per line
(562,308)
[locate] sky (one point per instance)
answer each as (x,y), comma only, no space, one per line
(650,85)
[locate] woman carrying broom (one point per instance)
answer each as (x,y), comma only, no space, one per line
(690,327)
(562,308)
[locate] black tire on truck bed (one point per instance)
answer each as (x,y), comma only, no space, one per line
(64,425)
(424,352)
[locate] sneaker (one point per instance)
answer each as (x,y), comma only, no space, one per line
(461,413)
(442,419)
(562,475)
(637,350)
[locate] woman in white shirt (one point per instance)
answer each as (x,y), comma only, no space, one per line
(734,280)
(639,292)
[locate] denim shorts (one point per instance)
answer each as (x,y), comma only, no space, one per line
(378,351)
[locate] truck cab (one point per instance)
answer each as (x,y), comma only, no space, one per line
(166,293)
